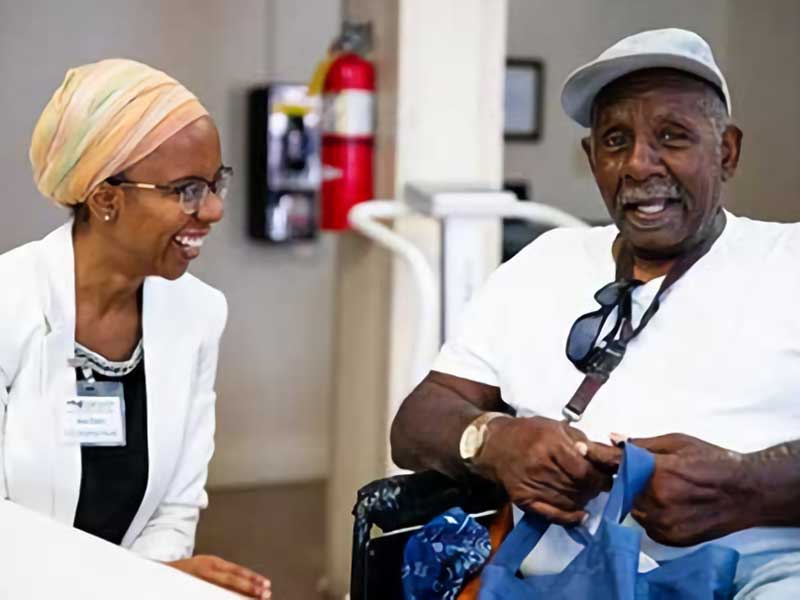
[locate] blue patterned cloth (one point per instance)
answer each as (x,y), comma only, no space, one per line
(438,559)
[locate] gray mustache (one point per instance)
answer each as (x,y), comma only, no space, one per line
(648,191)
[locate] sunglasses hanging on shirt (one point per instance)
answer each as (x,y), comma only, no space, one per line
(582,343)
(598,360)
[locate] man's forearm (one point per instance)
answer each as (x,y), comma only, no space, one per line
(774,477)
(426,432)
(427,429)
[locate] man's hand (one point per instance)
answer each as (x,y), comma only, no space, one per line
(698,491)
(540,464)
(226,574)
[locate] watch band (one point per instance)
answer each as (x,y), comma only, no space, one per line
(484,419)
(474,435)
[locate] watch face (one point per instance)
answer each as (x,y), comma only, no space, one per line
(470,442)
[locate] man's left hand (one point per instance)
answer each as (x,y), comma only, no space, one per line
(698,491)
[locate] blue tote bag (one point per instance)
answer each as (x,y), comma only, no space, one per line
(607,566)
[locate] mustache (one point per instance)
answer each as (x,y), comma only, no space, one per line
(649,190)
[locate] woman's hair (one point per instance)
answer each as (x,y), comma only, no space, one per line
(105,117)
(80,212)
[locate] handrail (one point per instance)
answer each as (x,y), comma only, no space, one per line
(363,218)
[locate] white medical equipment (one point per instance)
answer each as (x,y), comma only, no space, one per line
(463,212)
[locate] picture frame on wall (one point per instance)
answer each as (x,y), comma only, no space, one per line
(524,99)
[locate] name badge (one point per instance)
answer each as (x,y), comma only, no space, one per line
(96,416)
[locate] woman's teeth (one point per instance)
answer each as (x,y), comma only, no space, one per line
(188,241)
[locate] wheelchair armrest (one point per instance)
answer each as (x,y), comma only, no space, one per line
(411,500)
(408,500)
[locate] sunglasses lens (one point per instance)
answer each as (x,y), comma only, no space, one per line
(609,295)
(583,335)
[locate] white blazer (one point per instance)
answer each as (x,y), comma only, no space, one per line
(182,322)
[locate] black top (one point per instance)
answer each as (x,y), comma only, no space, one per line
(114,478)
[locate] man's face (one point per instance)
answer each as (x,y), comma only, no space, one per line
(658,161)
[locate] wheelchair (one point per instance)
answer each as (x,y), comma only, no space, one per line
(388,511)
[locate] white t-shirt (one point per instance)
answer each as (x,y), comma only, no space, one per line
(720,360)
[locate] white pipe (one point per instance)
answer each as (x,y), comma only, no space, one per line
(534,212)
(363,218)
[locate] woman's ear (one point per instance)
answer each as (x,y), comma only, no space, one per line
(104,202)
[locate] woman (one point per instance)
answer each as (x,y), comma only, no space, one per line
(108,349)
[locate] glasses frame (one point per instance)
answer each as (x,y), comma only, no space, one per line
(224,174)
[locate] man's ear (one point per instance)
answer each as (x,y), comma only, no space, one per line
(104,202)
(586,144)
(731,150)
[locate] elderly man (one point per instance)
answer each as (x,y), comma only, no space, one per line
(693,351)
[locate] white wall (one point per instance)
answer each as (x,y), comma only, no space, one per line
(765,79)
(275,374)
(565,35)
(756,45)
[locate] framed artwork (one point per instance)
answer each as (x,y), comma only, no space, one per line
(524,94)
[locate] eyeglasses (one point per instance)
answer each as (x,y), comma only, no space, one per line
(192,192)
(582,348)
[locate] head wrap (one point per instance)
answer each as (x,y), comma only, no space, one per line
(105,117)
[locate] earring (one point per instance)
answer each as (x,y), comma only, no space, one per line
(107,217)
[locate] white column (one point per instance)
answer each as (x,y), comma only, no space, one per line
(449,130)
(440,71)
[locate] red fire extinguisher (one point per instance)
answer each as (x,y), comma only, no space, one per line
(348,102)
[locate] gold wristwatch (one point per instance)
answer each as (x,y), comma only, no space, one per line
(474,435)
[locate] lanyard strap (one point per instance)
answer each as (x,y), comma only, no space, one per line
(609,355)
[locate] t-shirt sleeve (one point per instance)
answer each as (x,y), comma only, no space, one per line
(474,352)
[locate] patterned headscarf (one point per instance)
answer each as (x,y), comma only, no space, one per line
(105,117)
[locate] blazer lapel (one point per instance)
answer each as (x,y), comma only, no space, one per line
(168,372)
(58,377)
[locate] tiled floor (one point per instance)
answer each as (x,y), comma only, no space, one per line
(275,530)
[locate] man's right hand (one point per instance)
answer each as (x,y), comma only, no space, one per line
(541,465)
